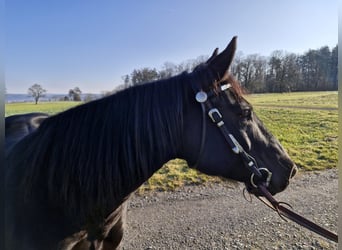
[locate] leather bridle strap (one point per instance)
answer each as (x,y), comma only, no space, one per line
(284,211)
(204,98)
(203,136)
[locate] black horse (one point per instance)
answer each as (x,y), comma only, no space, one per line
(67,181)
(18,126)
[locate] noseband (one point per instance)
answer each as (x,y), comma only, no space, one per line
(258,175)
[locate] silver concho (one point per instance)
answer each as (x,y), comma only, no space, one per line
(201,96)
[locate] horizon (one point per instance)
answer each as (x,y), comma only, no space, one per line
(65,44)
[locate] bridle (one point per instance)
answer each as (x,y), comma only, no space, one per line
(260,177)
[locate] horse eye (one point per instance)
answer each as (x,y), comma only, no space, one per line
(246,113)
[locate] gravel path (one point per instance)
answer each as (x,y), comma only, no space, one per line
(218,217)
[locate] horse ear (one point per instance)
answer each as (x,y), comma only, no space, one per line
(212,56)
(220,63)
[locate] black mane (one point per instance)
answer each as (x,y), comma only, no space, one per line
(124,135)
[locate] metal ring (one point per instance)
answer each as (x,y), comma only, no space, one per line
(268,179)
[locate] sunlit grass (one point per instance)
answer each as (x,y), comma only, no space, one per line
(309,136)
(45,107)
(174,174)
(326,99)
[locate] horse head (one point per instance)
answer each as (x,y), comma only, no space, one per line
(225,137)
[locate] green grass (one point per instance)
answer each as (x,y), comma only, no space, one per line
(306,124)
(327,99)
(309,135)
(174,174)
(45,107)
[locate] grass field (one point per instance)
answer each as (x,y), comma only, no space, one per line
(297,99)
(305,123)
(45,107)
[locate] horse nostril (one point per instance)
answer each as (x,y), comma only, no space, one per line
(293,171)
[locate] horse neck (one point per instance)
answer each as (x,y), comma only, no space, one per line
(148,127)
(156,135)
(133,134)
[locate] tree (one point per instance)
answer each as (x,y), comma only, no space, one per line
(275,73)
(169,69)
(127,81)
(89,98)
(291,71)
(36,91)
(316,68)
(259,64)
(143,75)
(75,94)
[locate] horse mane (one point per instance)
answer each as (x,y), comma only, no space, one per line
(101,149)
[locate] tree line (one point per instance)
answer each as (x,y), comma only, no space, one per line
(314,70)
(37,91)
(146,74)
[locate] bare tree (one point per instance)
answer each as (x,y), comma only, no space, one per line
(280,72)
(250,71)
(36,91)
(169,69)
(143,75)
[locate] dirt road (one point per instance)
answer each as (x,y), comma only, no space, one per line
(218,217)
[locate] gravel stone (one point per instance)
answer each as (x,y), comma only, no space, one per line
(217,216)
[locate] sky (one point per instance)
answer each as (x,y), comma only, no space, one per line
(61,44)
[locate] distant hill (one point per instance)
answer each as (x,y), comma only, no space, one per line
(48,97)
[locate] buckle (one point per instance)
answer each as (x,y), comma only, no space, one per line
(215,114)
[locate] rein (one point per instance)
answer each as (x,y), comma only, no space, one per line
(285,212)
(260,177)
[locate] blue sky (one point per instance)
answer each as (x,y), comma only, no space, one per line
(62,44)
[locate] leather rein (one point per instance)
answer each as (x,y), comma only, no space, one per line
(260,177)
(286,212)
